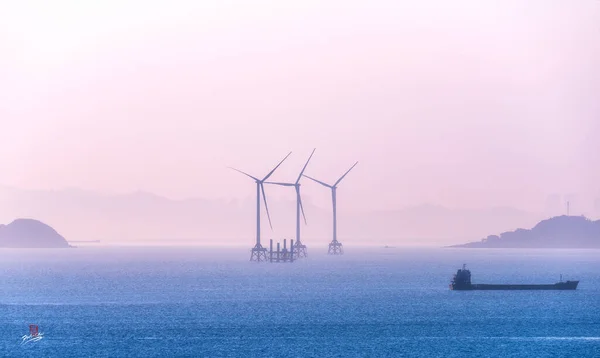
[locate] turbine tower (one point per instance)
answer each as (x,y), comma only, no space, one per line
(258,252)
(335,247)
(298,247)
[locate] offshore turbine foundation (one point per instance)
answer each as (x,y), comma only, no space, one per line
(300,250)
(280,255)
(335,248)
(258,253)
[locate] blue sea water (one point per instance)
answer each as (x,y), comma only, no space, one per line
(371,302)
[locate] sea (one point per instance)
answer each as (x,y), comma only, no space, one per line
(370,302)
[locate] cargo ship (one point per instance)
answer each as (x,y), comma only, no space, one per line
(462,282)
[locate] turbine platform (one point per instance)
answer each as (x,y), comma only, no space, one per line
(258,253)
(335,248)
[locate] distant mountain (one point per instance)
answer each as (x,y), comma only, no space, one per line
(433,222)
(557,232)
(140,216)
(29,233)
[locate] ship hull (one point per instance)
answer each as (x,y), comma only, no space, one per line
(569,285)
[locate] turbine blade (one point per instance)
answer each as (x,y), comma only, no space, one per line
(318,181)
(346,173)
(301,206)
(262,188)
(282,184)
(239,171)
(272,171)
(305,165)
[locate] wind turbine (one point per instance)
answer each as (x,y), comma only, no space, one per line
(259,253)
(335,247)
(300,248)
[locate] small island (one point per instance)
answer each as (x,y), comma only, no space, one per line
(29,233)
(574,232)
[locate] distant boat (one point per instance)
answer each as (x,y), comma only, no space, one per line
(462,282)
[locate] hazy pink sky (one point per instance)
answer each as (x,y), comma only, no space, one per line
(460,103)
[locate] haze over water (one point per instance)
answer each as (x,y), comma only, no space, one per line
(198,302)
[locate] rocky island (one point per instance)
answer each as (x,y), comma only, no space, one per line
(574,232)
(29,233)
